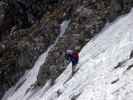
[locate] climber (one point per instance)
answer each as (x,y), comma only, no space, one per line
(72,56)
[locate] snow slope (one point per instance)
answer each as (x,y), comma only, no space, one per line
(105,69)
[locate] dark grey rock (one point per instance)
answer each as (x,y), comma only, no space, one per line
(116,8)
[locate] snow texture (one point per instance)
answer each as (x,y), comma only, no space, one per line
(105,69)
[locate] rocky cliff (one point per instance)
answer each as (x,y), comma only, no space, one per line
(28,28)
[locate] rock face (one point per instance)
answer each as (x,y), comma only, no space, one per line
(21,46)
(29,27)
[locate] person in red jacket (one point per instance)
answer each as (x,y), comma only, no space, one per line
(73,57)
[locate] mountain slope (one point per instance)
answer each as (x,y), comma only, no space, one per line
(105,69)
(29,27)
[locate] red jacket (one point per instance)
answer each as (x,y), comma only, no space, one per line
(75,55)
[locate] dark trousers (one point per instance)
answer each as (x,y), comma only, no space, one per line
(74,63)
